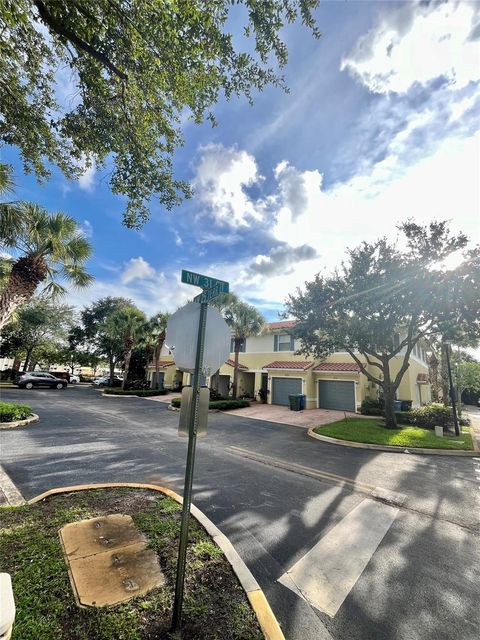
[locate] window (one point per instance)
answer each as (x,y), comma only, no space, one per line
(242,346)
(283,342)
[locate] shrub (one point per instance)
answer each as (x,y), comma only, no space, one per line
(10,412)
(464,422)
(371,407)
(221,405)
(404,417)
(432,415)
(141,393)
(227,405)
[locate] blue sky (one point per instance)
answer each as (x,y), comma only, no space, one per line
(381,124)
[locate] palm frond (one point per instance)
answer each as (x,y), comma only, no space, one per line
(76,275)
(7,185)
(12,224)
(54,289)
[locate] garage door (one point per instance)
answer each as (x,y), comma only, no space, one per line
(283,387)
(336,394)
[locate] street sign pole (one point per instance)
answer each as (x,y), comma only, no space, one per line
(187,493)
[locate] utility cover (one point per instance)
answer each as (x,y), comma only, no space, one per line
(182,335)
(108,560)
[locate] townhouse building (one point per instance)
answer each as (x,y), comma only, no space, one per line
(268,363)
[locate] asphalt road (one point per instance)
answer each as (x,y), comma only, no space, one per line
(275,493)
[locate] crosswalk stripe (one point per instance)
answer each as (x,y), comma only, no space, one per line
(327,573)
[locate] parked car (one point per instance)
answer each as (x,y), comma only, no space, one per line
(40,379)
(59,374)
(104,381)
(74,379)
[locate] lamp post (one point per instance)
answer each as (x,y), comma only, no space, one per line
(452,390)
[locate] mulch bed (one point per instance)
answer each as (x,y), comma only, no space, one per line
(215,604)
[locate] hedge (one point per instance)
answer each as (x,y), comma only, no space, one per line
(222,405)
(11,412)
(141,393)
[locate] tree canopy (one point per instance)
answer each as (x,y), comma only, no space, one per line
(384,300)
(110,81)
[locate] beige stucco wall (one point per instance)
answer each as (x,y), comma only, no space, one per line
(257,358)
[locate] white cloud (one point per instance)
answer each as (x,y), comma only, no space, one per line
(418,43)
(87,178)
(86,229)
(220,181)
(178,239)
(137,269)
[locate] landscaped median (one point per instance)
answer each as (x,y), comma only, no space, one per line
(15,415)
(139,393)
(358,431)
(227,404)
(215,601)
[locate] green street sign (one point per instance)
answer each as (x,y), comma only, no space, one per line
(204,282)
(208,294)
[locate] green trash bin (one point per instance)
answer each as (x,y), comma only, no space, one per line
(294,401)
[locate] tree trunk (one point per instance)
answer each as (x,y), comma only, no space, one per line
(15,367)
(27,358)
(235,368)
(389,398)
(444,378)
(25,276)
(433,365)
(112,368)
(128,355)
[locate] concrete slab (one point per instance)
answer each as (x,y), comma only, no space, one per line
(327,573)
(108,560)
(111,577)
(88,537)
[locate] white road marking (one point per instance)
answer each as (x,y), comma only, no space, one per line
(327,573)
(12,494)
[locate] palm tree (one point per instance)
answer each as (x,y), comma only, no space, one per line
(48,246)
(127,324)
(156,330)
(244,321)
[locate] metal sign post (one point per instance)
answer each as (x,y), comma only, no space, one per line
(187,493)
(215,352)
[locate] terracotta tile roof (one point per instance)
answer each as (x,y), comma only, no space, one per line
(422,377)
(163,364)
(285,324)
(289,364)
(337,366)
(232,364)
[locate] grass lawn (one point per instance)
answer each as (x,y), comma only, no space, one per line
(372,432)
(215,605)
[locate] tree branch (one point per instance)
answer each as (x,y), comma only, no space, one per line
(371,362)
(67,34)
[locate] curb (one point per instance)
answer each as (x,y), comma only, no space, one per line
(20,423)
(390,448)
(265,616)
